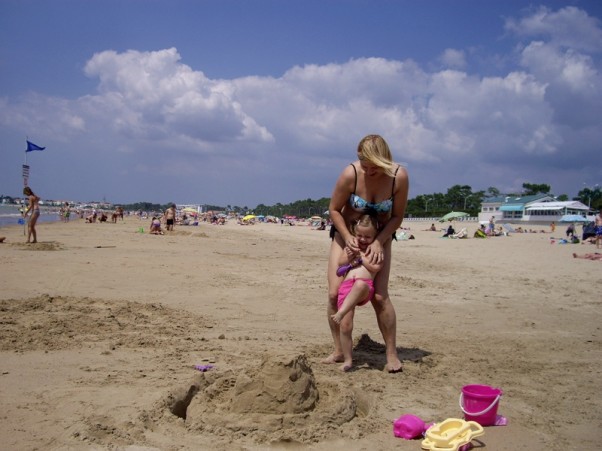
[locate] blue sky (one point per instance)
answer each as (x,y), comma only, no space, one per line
(247,102)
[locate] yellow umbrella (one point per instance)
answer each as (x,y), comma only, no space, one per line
(246,218)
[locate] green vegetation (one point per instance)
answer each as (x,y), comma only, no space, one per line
(457,198)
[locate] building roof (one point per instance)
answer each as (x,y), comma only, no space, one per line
(571,205)
(517,200)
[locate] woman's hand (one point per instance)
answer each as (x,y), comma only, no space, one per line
(375,252)
(352,245)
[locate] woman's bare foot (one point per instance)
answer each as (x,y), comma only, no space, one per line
(346,367)
(394,367)
(334,358)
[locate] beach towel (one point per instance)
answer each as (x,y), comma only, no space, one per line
(480,234)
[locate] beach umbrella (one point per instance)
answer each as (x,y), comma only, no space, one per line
(248,217)
(509,228)
(453,215)
(574,218)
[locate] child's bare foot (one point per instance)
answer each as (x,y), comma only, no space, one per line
(336,317)
(333,358)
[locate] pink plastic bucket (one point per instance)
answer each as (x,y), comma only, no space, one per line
(479,403)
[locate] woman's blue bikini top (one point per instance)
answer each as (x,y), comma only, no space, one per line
(362,205)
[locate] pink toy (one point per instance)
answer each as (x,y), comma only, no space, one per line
(408,427)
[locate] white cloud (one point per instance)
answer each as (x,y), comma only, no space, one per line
(568,27)
(453,58)
(566,61)
(152,114)
(159,96)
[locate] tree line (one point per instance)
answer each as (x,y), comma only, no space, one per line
(457,198)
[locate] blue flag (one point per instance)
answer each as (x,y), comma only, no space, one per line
(31,146)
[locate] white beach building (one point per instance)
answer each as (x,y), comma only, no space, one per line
(536,209)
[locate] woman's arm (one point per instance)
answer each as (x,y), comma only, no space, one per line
(340,196)
(29,206)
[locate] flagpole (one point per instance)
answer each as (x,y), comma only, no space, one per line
(25,181)
(24,184)
(30,147)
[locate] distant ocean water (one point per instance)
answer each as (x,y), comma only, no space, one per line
(10,215)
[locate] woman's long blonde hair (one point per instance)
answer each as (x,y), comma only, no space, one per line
(374,148)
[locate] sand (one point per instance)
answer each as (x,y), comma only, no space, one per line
(102,328)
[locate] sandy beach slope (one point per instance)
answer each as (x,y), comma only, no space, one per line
(102,327)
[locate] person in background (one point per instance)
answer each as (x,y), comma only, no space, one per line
(590,256)
(170,217)
(570,230)
(598,225)
(491,229)
(449,232)
(66,212)
(34,207)
(155,227)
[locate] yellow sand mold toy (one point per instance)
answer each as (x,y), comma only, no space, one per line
(451,434)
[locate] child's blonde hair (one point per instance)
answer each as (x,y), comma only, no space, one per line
(365,221)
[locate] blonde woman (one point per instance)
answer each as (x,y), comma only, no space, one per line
(34,207)
(372,184)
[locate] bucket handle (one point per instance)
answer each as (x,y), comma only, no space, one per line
(477,414)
